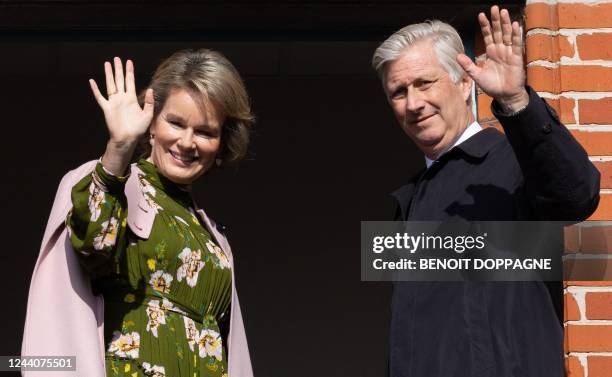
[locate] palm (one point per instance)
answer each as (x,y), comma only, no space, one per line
(125,119)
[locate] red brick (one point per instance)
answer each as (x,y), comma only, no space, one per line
(573,367)
(595,143)
(578,15)
(587,269)
(588,338)
(604,210)
(595,111)
(570,283)
(605,168)
(544,79)
(484,108)
(540,15)
(598,305)
(594,46)
(565,108)
(547,47)
(588,78)
(599,366)
(571,311)
(596,239)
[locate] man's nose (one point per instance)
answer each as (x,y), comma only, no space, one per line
(414,101)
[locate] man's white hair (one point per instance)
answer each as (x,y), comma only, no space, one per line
(444,38)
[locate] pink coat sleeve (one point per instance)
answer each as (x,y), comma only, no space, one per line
(62,312)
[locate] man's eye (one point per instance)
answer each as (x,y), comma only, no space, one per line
(424,84)
(398,93)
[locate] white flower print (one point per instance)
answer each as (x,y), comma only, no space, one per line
(191,332)
(96,198)
(209,343)
(149,193)
(153,370)
(192,264)
(157,316)
(108,237)
(125,345)
(216,250)
(160,281)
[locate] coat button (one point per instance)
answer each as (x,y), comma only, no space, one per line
(547,128)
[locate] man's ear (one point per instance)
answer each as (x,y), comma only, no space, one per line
(465,84)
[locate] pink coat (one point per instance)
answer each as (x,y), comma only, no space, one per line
(64,318)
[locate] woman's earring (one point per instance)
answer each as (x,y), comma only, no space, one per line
(151,136)
(218,162)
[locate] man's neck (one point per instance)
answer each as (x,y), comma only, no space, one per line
(467,133)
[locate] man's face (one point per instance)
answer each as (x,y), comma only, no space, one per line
(428,105)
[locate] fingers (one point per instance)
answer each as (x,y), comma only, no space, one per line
(506,27)
(485,28)
(110,81)
(130,85)
(96,92)
(499,30)
(148,102)
(119,83)
(496,24)
(468,65)
(517,39)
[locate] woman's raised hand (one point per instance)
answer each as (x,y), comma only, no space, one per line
(127,122)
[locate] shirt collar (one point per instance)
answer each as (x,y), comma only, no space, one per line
(470,131)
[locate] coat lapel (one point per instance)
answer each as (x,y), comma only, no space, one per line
(140,213)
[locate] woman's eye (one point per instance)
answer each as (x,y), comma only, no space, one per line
(175,124)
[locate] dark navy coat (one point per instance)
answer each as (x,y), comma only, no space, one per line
(536,171)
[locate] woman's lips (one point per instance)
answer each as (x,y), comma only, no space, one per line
(181,159)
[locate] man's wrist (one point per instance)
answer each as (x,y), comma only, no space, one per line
(514,104)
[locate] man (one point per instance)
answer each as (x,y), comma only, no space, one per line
(537,171)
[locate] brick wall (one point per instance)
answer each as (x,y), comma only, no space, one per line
(569,62)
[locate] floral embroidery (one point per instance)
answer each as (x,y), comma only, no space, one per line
(125,345)
(209,343)
(153,370)
(191,332)
(192,264)
(151,264)
(149,193)
(96,198)
(222,261)
(160,281)
(157,316)
(108,237)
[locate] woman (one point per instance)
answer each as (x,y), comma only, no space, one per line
(164,271)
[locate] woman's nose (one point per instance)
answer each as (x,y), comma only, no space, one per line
(186,140)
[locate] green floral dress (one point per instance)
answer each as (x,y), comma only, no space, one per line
(166,298)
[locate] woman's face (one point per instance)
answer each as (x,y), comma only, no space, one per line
(186,137)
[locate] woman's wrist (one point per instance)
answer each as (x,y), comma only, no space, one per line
(117,157)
